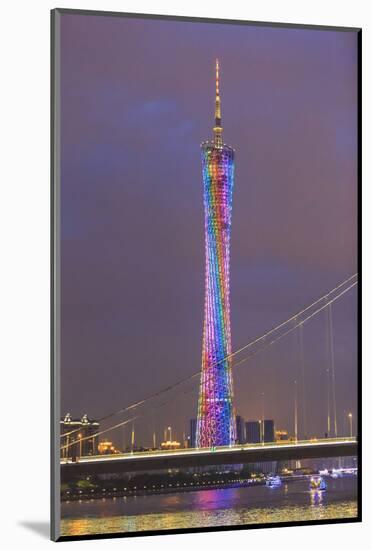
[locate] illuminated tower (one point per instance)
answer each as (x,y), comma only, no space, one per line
(216,423)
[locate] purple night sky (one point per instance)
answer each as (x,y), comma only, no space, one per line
(136,101)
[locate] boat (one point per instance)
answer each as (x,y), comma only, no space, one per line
(317,483)
(273,481)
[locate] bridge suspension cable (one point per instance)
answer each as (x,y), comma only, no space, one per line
(291,329)
(298,321)
(303,385)
(332,366)
(97,434)
(124,423)
(328,356)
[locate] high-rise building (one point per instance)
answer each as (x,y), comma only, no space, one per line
(240,430)
(253,431)
(192,432)
(78,436)
(216,423)
(268,436)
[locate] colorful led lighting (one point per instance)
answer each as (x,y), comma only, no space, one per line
(216,424)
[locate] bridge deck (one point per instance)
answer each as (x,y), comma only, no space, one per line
(186,458)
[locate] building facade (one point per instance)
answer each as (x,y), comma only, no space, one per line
(216,424)
(253,431)
(240,430)
(269,433)
(192,432)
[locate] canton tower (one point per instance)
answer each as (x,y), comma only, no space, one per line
(216,425)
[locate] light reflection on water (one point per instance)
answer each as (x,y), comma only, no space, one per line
(235,506)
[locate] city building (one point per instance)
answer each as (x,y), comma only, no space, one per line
(107,448)
(192,432)
(268,435)
(261,467)
(253,431)
(240,430)
(170,445)
(282,435)
(78,436)
(216,424)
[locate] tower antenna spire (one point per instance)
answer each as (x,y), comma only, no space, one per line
(218,113)
(216,420)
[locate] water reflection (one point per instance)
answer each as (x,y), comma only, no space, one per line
(214,507)
(213,499)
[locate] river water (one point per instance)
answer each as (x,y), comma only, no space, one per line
(292,501)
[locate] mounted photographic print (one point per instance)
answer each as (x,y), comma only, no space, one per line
(205,338)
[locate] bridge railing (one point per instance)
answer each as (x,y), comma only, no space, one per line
(205,450)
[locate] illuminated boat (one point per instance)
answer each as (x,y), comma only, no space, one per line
(273,482)
(318,483)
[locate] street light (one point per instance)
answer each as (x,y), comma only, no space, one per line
(80,438)
(350,416)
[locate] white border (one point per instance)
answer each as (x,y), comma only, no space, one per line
(25,263)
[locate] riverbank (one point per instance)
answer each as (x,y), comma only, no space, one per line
(93,494)
(164,489)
